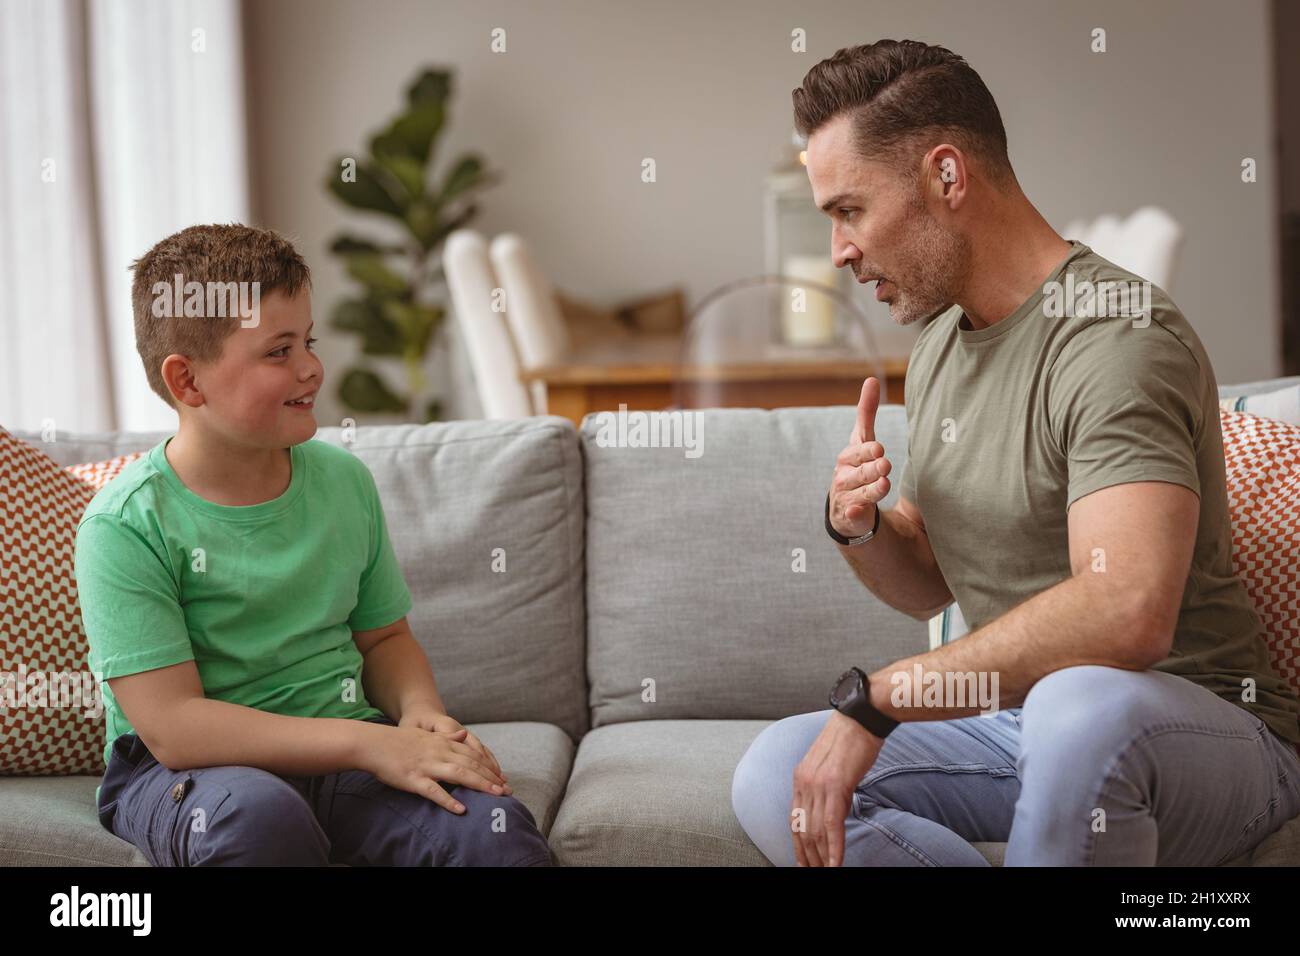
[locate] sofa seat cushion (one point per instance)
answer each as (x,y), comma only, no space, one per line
(51,821)
(656,793)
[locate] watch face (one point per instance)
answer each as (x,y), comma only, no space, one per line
(846,688)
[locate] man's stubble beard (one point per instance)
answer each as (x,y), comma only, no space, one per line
(936,266)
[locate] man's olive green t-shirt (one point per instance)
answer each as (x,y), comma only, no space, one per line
(263,598)
(1009,425)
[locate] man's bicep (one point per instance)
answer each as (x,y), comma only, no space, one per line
(1140,536)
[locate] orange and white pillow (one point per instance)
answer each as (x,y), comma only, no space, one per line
(1262,457)
(51,713)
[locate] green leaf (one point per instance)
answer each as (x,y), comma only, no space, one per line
(412,133)
(379,335)
(433,411)
(350,245)
(372,271)
(375,190)
(467,174)
(430,85)
(364,391)
(416,323)
(423,221)
(404,169)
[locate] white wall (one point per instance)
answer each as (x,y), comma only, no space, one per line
(587,88)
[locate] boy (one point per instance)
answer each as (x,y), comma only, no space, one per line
(265,700)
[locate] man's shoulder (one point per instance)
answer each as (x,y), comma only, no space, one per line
(1107,316)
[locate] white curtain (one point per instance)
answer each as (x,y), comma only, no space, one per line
(121,121)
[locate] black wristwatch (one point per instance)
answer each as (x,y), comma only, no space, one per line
(851,698)
(830,529)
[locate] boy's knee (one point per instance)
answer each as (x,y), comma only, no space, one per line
(263,821)
(498,831)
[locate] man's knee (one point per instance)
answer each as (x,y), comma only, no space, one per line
(257,819)
(1082,716)
(762,784)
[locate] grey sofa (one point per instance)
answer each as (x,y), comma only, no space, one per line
(649,621)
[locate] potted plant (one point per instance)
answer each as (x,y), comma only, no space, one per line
(397,310)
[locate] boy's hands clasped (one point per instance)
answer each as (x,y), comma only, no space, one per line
(426,747)
(859,481)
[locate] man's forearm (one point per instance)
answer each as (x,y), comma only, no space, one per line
(898,567)
(1081,620)
(215,733)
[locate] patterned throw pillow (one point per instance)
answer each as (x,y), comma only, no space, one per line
(51,713)
(1263,466)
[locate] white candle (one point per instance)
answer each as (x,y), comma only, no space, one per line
(808,317)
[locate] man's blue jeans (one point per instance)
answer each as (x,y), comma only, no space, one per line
(1099,767)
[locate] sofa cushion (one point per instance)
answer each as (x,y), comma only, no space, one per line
(503,629)
(51,821)
(656,793)
(692,570)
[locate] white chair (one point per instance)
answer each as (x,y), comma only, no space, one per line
(532,311)
(492,357)
(1147,243)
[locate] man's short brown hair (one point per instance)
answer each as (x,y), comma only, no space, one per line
(905,97)
(205,254)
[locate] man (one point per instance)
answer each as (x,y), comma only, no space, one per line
(1065,485)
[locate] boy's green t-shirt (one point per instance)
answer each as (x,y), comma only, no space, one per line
(263,598)
(1011,424)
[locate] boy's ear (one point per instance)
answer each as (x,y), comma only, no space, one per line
(178,374)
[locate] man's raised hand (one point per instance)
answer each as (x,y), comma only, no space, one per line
(860,478)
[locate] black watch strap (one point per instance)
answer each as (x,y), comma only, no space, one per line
(830,528)
(859,707)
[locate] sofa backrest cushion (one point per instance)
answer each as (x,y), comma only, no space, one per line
(713,590)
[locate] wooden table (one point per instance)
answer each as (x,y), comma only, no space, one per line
(641,371)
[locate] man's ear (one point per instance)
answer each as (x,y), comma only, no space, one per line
(944,171)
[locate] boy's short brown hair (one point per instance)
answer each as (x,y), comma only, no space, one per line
(213,256)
